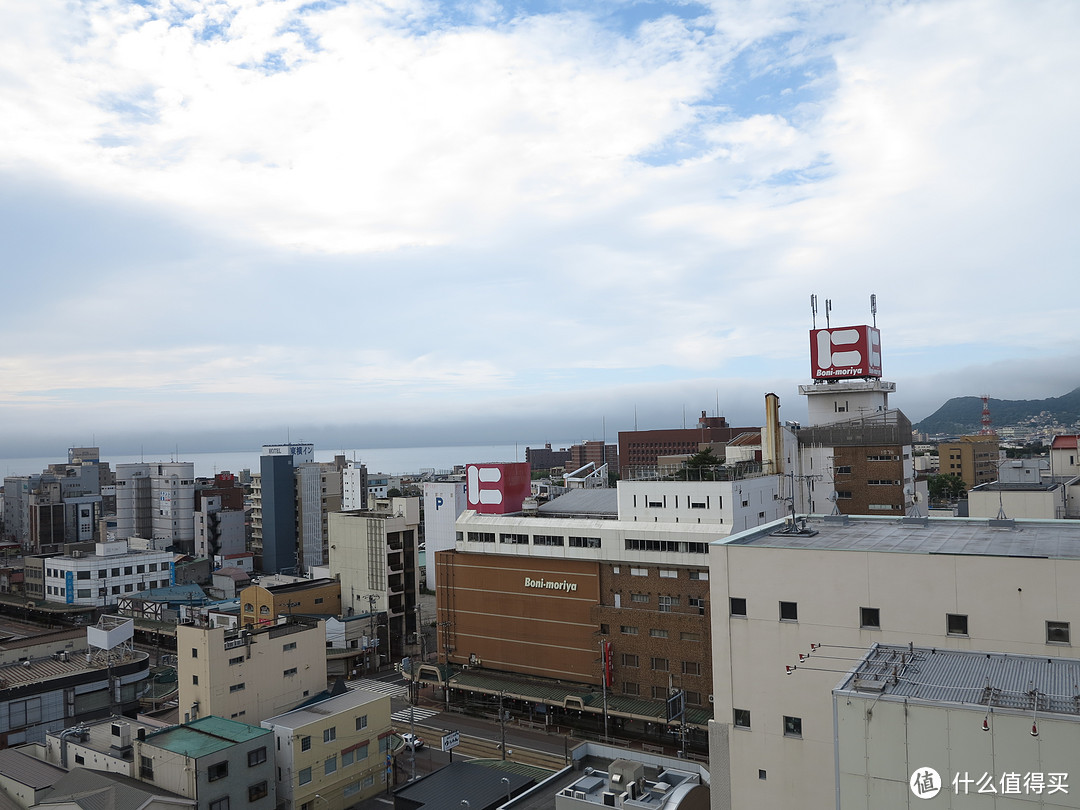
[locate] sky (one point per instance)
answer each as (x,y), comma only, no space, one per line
(444,222)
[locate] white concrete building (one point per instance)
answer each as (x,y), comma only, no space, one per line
(981,729)
(156,500)
(846,583)
(443,502)
(107,575)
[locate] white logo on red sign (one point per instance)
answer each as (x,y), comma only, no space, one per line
(478,493)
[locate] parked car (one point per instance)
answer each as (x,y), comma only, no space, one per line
(412,741)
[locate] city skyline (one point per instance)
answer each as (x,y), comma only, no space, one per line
(530,220)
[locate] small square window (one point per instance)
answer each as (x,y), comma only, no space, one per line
(219,770)
(738,606)
(792,726)
(789,611)
(956,624)
(329,734)
(870,618)
(742,718)
(761,773)
(1057,632)
(305,743)
(361,722)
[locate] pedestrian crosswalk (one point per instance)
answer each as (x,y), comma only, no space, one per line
(382,687)
(418,715)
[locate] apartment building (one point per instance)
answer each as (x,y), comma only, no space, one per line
(105,575)
(374,555)
(824,586)
(333,752)
(249,674)
(974,458)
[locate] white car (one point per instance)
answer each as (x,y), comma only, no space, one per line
(412,741)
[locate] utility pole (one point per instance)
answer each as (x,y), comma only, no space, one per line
(502,724)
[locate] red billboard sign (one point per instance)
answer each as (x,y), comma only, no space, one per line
(498,489)
(845,352)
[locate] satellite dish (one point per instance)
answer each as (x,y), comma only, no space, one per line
(833,496)
(909,490)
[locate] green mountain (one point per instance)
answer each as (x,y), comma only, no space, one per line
(963,415)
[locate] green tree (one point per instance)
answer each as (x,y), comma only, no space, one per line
(700,467)
(946,487)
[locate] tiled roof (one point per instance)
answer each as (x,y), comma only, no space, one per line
(1064,442)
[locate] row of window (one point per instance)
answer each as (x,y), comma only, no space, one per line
(690,502)
(537,539)
(678,546)
(88,593)
(956,624)
(102,573)
(665,573)
(661,693)
(631,630)
(792,725)
(659,664)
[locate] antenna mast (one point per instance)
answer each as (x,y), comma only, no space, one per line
(813,311)
(873,308)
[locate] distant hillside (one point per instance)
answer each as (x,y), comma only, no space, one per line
(962,415)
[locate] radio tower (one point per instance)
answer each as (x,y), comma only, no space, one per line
(986,429)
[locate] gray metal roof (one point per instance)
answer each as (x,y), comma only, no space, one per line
(28,770)
(1055,539)
(98,790)
(591,502)
(968,677)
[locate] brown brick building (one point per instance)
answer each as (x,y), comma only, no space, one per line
(640,448)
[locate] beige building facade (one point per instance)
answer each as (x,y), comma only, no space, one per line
(843,584)
(249,675)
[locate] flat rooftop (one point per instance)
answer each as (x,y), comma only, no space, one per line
(967,677)
(1053,539)
(204,736)
(313,712)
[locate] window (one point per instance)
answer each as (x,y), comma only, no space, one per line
(630,688)
(318,600)
(639,572)
(361,751)
(628,630)
(248,607)
(329,734)
(742,718)
(219,770)
(547,540)
(140,569)
(83,593)
(584,542)
(697,602)
(482,537)
(115,572)
(194,652)
(290,646)
(789,611)
(220,804)
(659,664)
(870,618)
(956,624)
(792,726)
(629,660)
(655,633)
(1057,632)
(666,603)
(639,597)
(689,636)
(330,766)
(305,743)
(691,668)
(127,570)
(347,758)
(305,776)
(289,672)
(236,687)
(264,610)
(699,575)
(669,573)
(256,757)
(843,494)
(153,568)
(82,575)
(259,791)
(659,692)
(843,469)
(693,698)
(514,539)
(195,680)
(146,768)
(361,722)
(761,773)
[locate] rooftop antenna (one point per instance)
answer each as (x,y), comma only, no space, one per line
(813,310)
(828,311)
(873,308)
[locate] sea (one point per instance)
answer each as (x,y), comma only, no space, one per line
(389,460)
